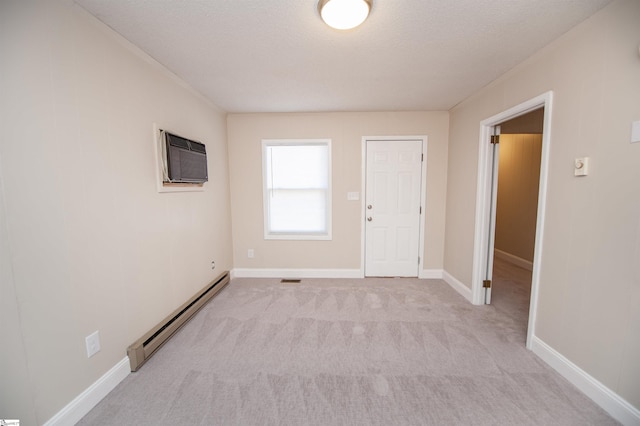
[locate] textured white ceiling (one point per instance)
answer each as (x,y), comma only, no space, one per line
(278,56)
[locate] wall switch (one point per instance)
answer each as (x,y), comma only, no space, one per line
(581,166)
(353,196)
(635,131)
(250,253)
(93,344)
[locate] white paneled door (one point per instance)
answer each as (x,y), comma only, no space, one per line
(392,207)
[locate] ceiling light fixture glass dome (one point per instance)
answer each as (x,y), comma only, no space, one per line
(344,14)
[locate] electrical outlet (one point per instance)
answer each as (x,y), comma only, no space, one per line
(250,253)
(93,344)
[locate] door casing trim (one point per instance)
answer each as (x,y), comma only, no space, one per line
(483,199)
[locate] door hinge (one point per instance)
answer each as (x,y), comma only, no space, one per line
(418,260)
(486,284)
(495,139)
(421,157)
(420,210)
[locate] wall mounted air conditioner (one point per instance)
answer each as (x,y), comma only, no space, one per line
(185,160)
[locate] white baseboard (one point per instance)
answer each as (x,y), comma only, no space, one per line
(296,273)
(611,402)
(83,403)
(518,261)
(431,274)
(458,286)
(317,273)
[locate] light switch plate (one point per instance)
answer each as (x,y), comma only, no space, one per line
(353,196)
(635,131)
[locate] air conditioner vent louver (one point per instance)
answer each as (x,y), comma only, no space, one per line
(198,147)
(177,141)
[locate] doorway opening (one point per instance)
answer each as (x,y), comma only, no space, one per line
(486,203)
(518,178)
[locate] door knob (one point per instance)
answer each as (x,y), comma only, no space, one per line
(369,206)
(369,219)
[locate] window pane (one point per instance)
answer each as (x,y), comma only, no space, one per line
(297,189)
(298,210)
(300,166)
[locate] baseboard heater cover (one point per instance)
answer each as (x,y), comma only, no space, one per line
(143,348)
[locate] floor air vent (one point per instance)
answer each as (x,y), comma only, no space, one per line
(290,281)
(140,351)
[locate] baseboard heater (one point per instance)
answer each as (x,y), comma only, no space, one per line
(143,348)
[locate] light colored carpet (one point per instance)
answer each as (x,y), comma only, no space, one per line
(349,352)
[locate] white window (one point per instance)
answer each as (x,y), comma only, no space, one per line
(297,189)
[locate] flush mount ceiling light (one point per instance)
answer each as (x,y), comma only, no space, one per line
(344,14)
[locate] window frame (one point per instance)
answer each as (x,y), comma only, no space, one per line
(308,236)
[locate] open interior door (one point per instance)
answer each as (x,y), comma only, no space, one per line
(495,153)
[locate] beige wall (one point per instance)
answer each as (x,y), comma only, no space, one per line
(346,131)
(16,395)
(87,241)
(590,272)
(517,203)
